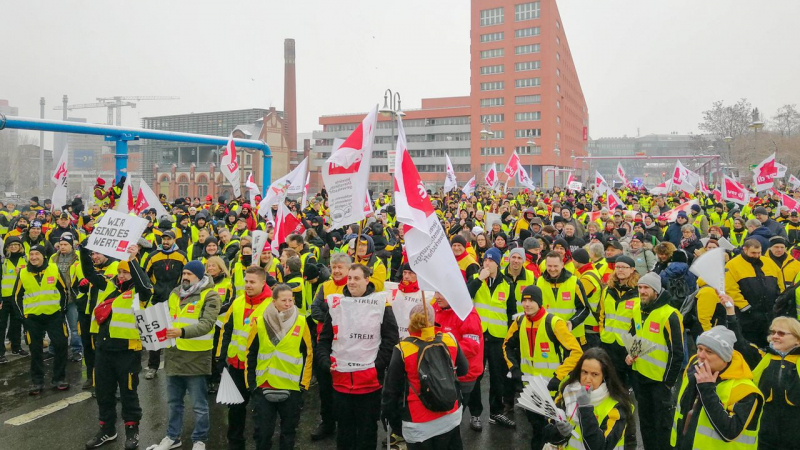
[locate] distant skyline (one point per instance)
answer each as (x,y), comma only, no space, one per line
(652,66)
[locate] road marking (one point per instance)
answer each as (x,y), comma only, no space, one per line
(49,409)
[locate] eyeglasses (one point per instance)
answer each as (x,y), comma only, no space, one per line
(778,332)
(622,267)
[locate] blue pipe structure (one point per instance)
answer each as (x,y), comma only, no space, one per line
(121,136)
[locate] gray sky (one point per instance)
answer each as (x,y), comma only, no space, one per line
(645,64)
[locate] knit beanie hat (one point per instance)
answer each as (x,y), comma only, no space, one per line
(626,260)
(517,251)
(196,267)
(493,254)
(532,292)
(581,256)
(458,239)
(651,279)
(719,340)
(530,243)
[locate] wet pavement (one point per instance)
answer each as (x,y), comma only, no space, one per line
(72,418)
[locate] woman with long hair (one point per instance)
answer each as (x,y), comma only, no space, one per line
(597,403)
(481,245)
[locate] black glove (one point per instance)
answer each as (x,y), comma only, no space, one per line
(516,374)
(121,181)
(553,384)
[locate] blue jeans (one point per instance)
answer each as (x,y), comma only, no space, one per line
(72,322)
(198,390)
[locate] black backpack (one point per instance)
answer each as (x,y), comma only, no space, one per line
(785,303)
(436,373)
(679,290)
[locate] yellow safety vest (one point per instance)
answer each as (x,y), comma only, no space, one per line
(527,278)
(546,357)
(123,322)
(491,308)
(10,272)
(738,241)
(44,298)
(280,366)
(601,412)
(561,303)
(242,325)
(238,278)
(594,300)
(706,437)
(189,314)
(697,221)
(619,317)
(654,364)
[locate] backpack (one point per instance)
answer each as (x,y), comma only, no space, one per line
(688,310)
(679,290)
(436,373)
(785,303)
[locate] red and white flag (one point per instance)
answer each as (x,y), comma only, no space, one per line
(252,187)
(59,178)
(733,191)
(765,173)
(787,200)
(661,189)
(513,165)
(126,202)
(229,166)
(304,202)
(703,187)
(672,214)
(621,175)
(368,209)
(524,179)
(683,178)
(717,195)
(450,181)
(599,180)
(285,224)
(291,183)
(794,182)
(427,246)
(147,199)
(491,177)
(346,173)
(612,200)
(469,187)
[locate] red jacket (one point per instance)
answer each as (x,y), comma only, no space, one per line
(468,334)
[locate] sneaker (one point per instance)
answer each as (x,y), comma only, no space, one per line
(213,388)
(150,374)
(3,359)
(475,424)
(131,437)
(322,431)
(101,438)
(35,389)
(166,444)
(76,357)
(62,385)
(20,352)
(199,446)
(502,419)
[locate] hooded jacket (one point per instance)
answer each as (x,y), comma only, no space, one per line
(164,267)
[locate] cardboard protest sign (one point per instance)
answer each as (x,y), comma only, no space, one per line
(152,323)
(115,233)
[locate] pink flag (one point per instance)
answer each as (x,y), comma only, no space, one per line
(733,191)
(513,165)
(427,246)
(491,176)
(717,195)
(765,173)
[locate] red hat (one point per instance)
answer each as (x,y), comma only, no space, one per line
(101,181)
(208,198)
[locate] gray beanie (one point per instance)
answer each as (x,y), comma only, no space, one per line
(530,243)
(517,251)
(653,280)
(719,340)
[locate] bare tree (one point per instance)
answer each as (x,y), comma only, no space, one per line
(787,120)
(722,121)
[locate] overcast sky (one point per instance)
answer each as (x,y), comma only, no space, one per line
(642,64)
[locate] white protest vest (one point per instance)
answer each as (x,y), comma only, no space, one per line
(402,303)
(356,330)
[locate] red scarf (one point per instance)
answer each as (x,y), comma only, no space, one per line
(462,256)
(340,282)
(408,287)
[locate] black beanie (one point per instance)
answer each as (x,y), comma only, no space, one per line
(627,260)
(458,239)
(580,255)
(532,292)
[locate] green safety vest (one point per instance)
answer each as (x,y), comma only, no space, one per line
(547,355)
(601,412)
(654,364)
(280,366)
(190,315)
(44,298)
(492,308)
(619,317)
(10,272)
(241,326)
(561,303)
(706,437)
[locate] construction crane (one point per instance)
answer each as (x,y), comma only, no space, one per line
(114,103)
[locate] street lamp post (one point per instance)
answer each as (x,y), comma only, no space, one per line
(392,108)
(486,134)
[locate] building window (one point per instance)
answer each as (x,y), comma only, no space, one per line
(248,160)
(378,168)
(526,11)
(558,72)
(485,167)
(528,99)
(528,116)
(527,32)
(558,136)
(528,150)
(499,134)
(558,104)
(493,53)
(558,120)
(492,70)
(528,133)
(493,37)
(202,190)
(492,151)
(493,118)
(491,17)
(527,65)
(558,25)
(558,40)
(527,82)
(558,88)
(558,56)
(183,190)
(493,86)
(525,49)
(446,121)
(489,102)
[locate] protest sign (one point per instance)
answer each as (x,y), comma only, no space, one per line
(152,323)
(115,233)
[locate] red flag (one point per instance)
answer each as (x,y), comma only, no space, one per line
(491,176)
(513,165)
(733,191)
(141,203)
(717,195)
(285,224)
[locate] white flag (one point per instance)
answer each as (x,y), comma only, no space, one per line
(684,179)
(765,173)
(59,177)
(733,191)
(229,166)
(251,186)
(524,179)
(621,175)
(450,181)
(469,187)
(291,183)
(710,266)
(260,241)
(794,182)
(427,246)
(125,201)
(346,173)
(661,189)
(304,202)
(491,178)
(147,199)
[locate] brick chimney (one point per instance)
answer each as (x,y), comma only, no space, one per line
(289,96)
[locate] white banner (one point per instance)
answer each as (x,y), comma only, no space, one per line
(260,240)
(710,266)
(450,181)
(252,187)
(152,323)
(291,183)
(59,177)
(115,233)
(229,166)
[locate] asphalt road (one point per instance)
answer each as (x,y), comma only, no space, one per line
(69,418)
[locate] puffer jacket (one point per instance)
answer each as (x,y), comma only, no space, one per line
(676,270)
(468,334)
(645,260)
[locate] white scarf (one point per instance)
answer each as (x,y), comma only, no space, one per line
(571,396)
